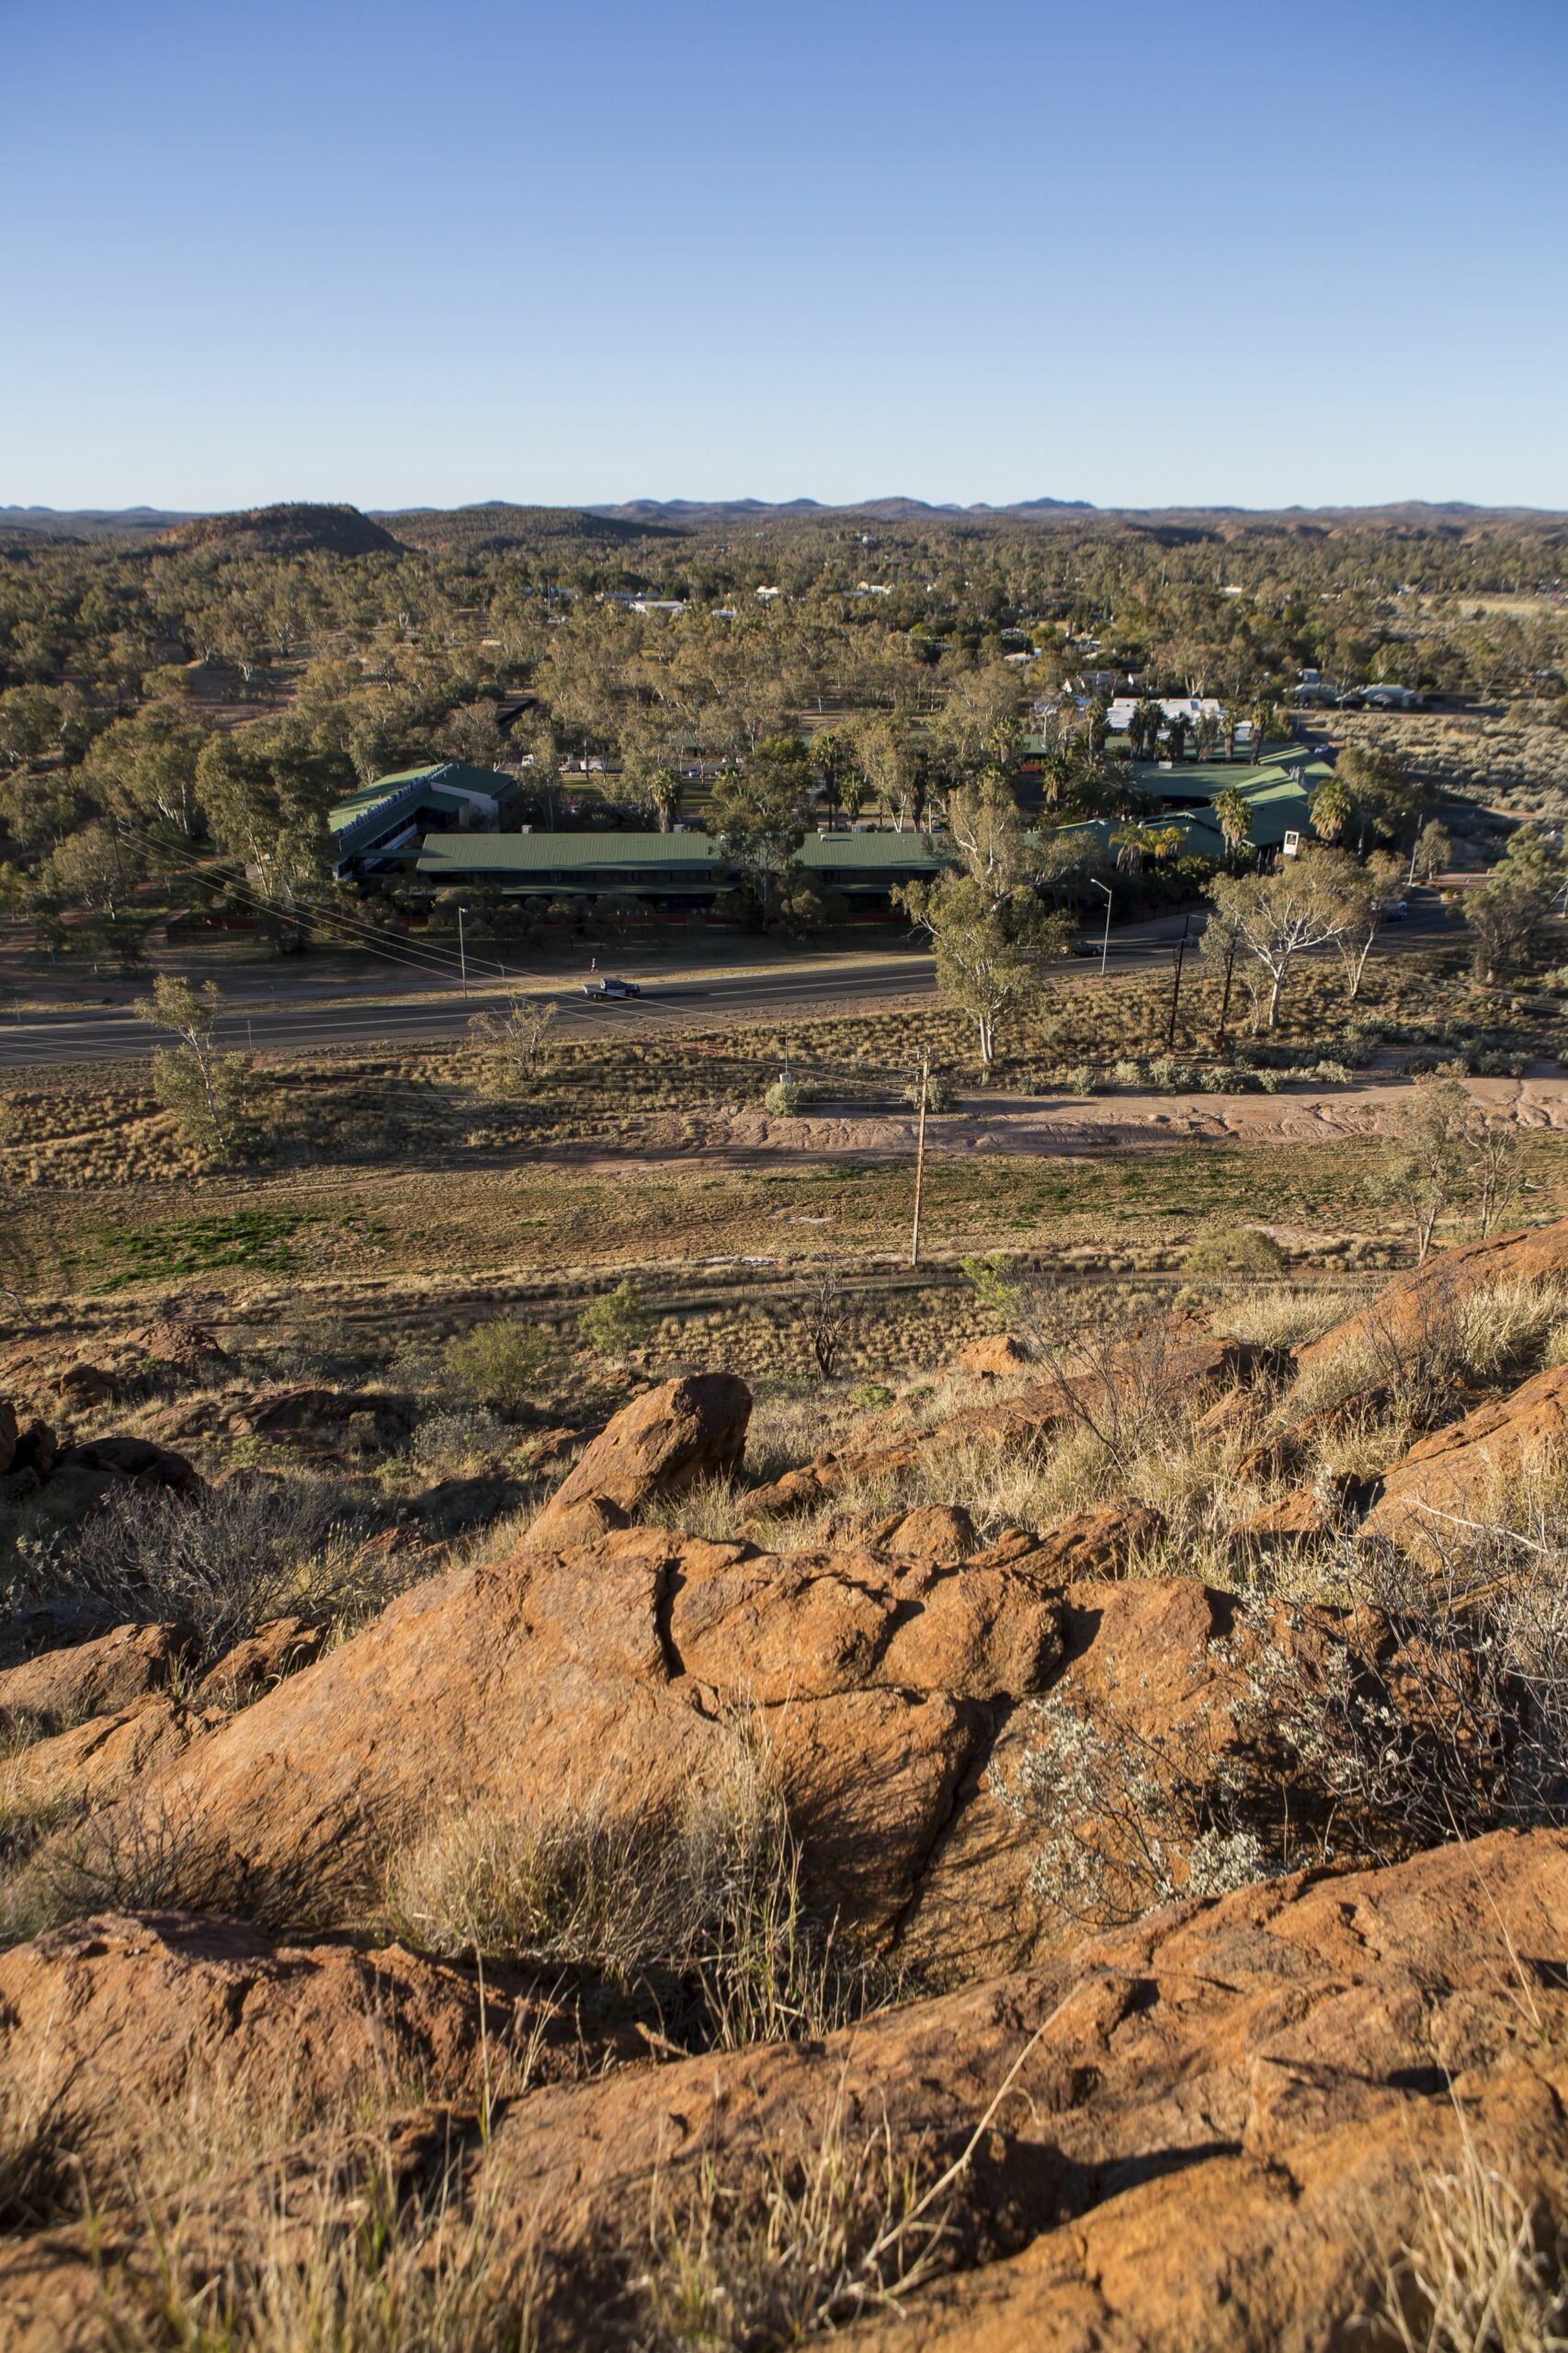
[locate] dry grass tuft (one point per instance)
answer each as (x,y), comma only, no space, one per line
(794,2247)
(372,2264)
(1481,2275)
(697,1913)
(1271,1317)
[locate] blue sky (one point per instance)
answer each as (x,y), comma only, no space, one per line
(1233,251)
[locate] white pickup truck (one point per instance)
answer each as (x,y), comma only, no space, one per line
(610,987)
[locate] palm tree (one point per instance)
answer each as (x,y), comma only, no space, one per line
(1233,817)
(1135,842)
(1332,809)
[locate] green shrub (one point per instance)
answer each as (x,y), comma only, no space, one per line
(866,1396)
(617,1323)
(1233,1250)
(504,1363)
(785,1099)
(1128,1073)
(989,1278)
(939,1094)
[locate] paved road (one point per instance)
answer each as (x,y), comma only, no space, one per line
(299,1016)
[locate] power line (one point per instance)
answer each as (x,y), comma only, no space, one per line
(418,957)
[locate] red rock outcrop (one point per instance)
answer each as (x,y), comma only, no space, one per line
(88,1765)
(1209,2133)
(84,1385)
(892,1698)
(691,1428)
(277,1648)
(168,1345)
(86,1475)
(114,2015)
(997,1357)
(311,1421)
(93,1678)
(940,1532)
(1103,1544)
(1296,1521)
(1421,1302)
(1453,1474)
(1214,2132)
(1159,1370)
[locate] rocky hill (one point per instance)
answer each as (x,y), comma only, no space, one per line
(723,1905)
(300,530)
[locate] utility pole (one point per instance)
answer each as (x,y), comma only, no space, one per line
(1176,985)
(920,1157)
(1225,1000)
(463,952)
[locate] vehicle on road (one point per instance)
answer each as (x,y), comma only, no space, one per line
(609,986)
(1391,910)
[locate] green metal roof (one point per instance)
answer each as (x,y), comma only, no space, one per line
(525,853)
(1211,777)
(877,853)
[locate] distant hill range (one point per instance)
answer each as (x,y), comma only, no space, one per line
(477,531)
(496,524)
(703,513)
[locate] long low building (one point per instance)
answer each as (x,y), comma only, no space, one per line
(672,870)
(688,869)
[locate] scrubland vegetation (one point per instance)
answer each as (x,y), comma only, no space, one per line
(949,1710)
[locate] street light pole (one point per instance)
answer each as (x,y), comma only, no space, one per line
(920,1157)
(462,951)
(1105,943)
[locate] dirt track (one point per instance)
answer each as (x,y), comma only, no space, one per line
(1070,1126)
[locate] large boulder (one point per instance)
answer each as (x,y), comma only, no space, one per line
(894,1700)
(687,1429)
(1448,1482)
(116,2016)
(1421,1303)
(171,1347)
(92,1679)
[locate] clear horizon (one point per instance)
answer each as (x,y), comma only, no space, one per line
(415,255)
(831,506)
